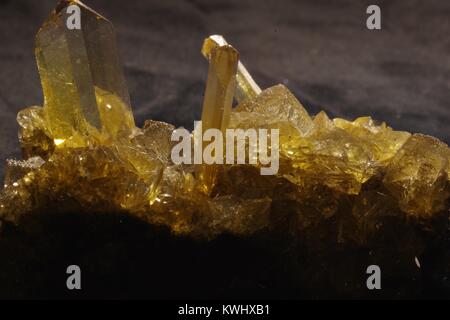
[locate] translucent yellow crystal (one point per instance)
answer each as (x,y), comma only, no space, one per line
(337,179)
(417,175)
(86,97)
(246,86)
(275,107)
(17,169)
(218,99)
(34,136)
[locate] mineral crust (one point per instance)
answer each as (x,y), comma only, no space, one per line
(343,180)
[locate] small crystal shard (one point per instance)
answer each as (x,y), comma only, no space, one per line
(275,107)
(417,175)
(18,169)
(34,136)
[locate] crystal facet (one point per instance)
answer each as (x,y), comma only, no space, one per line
(246,86)
(86,97)
(342,187)
(220,89)
(338,180)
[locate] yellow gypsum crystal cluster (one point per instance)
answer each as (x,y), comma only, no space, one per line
(82,151)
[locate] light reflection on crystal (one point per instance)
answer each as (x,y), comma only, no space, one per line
(337,178)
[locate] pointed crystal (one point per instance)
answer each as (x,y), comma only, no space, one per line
(217,103)
(85,95)
(246,87)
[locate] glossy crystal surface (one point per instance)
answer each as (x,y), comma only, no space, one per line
(339,179)
(86,97)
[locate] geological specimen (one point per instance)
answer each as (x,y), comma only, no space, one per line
(339,181)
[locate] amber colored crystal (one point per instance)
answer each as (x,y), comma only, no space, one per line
(220,89)
(418,176)
(86,97)
(246,86)
(355,181)
(34,136)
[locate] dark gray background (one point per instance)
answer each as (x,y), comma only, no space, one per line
(320,49)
